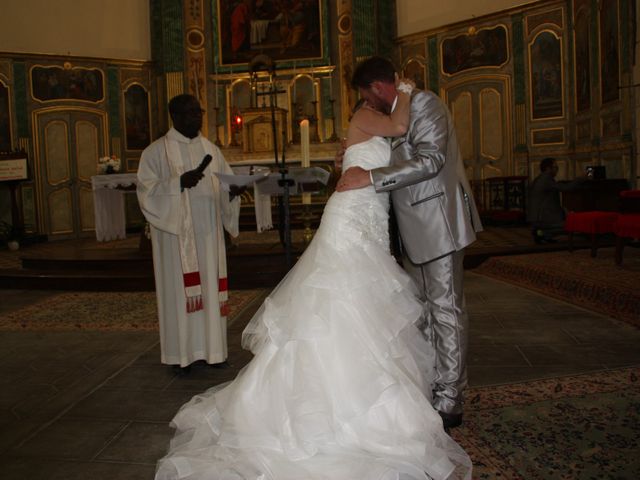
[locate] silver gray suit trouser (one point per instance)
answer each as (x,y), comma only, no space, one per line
(446,325)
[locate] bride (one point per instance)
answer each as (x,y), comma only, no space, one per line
(339,386)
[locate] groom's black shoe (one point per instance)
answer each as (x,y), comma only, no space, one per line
(450,420)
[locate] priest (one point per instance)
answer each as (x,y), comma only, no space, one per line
(187,210)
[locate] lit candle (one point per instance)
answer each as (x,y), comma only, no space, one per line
(304,148)
(304,142)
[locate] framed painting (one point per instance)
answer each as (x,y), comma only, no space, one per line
(483,48)
(583,62)
(609,51)
(57,83)
(137,118)
(415,70)
(281,29)
(5,119)
(545,70)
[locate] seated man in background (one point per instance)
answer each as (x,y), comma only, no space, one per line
(545,212)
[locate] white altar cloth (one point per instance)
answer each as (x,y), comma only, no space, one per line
(108,204)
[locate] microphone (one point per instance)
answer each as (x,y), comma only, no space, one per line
(205,163)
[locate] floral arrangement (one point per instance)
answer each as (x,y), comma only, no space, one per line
(108,164)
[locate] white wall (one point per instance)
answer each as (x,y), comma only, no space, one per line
(419,15)
(117,29)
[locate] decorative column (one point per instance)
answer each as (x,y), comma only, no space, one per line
(195,54)
(345,60)
(167,46)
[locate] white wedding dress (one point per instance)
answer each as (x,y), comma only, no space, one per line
(339,388)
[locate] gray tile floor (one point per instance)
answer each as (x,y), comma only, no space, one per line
(96,405)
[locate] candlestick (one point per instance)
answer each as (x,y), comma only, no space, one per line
(217,140)
(215,71)
(304,148)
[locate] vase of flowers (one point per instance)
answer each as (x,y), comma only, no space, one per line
(10,235)
(107,165)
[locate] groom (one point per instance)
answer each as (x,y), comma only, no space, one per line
(436,216)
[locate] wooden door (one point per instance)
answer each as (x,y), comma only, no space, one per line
(69,144)
(481,113)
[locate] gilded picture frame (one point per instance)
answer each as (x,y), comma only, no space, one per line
(53,83)
(285,30)
(6,142)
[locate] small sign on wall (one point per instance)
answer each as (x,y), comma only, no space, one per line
(14,169)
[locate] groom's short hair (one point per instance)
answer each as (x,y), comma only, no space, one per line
(371,70)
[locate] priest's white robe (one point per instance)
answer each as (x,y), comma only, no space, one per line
(200,335)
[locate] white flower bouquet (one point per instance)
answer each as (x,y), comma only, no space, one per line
(108,165)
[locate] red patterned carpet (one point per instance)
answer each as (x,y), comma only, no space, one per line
(579,427)
(106,311)
(593,283)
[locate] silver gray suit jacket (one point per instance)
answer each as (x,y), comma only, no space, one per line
(431,196)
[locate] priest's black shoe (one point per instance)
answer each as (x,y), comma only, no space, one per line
(181,371)
(450,420)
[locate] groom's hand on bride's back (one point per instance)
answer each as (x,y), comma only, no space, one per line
(353,178)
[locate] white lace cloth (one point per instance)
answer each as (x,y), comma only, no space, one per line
(108,204)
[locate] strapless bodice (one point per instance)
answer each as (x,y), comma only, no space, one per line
(372,153)
(360,215)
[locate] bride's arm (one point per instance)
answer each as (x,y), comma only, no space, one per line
(372,122)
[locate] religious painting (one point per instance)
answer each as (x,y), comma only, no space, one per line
(281,29)
(5,119)
(583,62)
(67,83)
(484,48)
(547,136)
(545,69)
(415,70)
(137,118)
(609,52)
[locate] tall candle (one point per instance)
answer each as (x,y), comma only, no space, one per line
(304,142)
(294,82)
(304,148)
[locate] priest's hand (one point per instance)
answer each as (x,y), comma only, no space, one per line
(236,191)
(190,179)
(354,178)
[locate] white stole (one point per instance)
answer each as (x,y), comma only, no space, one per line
(186,235)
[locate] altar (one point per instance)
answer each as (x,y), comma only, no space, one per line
(108,204)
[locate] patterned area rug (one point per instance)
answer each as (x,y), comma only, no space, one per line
(582,427)
(106,311)
(593,283)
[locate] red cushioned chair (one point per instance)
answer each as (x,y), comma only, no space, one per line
(627,225)
(592,223)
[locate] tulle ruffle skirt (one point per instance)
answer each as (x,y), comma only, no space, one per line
(339,387)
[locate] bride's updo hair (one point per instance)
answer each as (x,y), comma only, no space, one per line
(371,70)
